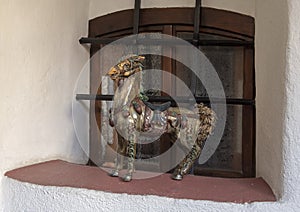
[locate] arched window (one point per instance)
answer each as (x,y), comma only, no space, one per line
(232,54)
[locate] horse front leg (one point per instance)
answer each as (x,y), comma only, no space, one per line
(121,151)
(131,152)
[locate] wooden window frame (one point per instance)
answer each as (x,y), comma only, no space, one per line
(215,21)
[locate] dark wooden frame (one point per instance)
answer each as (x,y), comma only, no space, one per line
(210,18)
(214,21)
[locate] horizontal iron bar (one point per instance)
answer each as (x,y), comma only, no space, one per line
(233,101)
(145,41)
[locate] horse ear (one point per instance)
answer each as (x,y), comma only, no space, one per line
(138,58)
(112,73)
(141,58)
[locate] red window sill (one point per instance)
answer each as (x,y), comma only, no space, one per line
(61,173)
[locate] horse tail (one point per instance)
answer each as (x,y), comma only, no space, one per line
(207,123)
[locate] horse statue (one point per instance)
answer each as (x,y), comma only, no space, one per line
(133,114)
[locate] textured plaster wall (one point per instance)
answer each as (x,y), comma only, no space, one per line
(291,147)
(29,197)
(40,59)
(102,7)
(271,72)
(278,98)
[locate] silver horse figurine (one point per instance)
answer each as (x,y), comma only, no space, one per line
(133,113)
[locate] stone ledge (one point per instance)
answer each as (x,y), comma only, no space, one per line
(63,174)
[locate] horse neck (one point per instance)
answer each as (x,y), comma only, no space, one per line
(126,92)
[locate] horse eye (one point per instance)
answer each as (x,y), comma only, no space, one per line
(126,66)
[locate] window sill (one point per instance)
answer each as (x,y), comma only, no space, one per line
(60,173)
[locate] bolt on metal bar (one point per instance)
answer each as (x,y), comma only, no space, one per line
(181,99)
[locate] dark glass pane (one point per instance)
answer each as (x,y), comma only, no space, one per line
(228,63)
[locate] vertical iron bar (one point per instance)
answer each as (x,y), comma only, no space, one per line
(136,16)
(136,23)
(195,42)
(197,21)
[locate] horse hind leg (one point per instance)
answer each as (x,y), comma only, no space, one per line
(186,164)
(207,118)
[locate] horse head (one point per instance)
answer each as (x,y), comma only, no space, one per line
(126,68)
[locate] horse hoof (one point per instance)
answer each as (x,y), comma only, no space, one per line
(177,177)
(127,178)
(114,173)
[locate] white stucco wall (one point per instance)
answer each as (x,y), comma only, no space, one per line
(40,59)
(29,197)
(278,102)
(270,56)
(101,7)
(291,147)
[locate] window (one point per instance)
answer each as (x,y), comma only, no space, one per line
(235,156)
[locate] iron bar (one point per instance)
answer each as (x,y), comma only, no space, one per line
(197,22)
(136,16)
(195,42)
(233,101)
(152,41)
